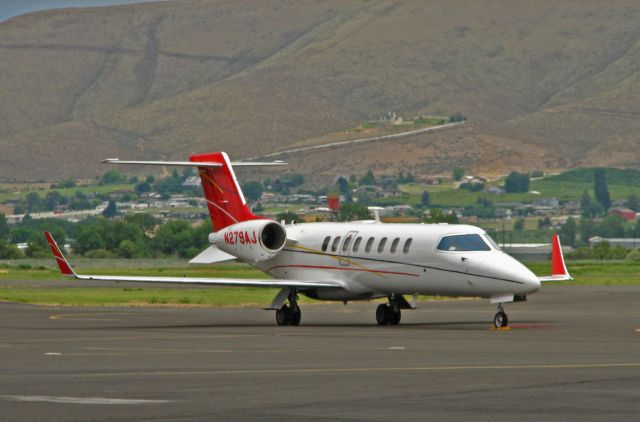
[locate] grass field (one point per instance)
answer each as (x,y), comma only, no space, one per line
(15,191)
(564,187)
(34,292)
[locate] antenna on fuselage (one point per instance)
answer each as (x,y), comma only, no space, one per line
(376,216)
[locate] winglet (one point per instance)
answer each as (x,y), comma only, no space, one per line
(65,268)
(559,270)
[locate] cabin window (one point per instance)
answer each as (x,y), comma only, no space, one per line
(369,245)
(334,245)
(394,244)
(463,242)
(325,243)
(407,245)
(347,242)
(383,241)
(356,244)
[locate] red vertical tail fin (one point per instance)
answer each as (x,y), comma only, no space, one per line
(224,197)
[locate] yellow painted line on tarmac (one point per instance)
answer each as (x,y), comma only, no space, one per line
(81,317)
(87,339)
(329,370)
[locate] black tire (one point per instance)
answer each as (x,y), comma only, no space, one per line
(295,315)
(383,314)
(282,315)
(395,316)
(500,320)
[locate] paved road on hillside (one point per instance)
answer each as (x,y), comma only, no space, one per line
(361,140)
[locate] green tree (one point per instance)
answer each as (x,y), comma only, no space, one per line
(544,223)
(4,227)
(79,201)
(253,190)
(9,250)
(586,229)
(111,210)
(178,237)
(601,189)
(296,179)
(33,202)
(368,179)
(354,211)
(425,200)
(343,185)
(633,202)
(437,215)
(112,177)
(145,221)
(88,239)
(611,226)
(457,117)
(37,246)
(517,182)
(53,199)
(588,207)
(288,217)
(457,173)
(127,249)
(67,183)
(519,224)
(143,187)
(568,232)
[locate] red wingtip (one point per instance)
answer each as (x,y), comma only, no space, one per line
(65,268)
(558,266)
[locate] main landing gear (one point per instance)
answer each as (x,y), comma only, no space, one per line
(289,314)
(500,320)
(389,313)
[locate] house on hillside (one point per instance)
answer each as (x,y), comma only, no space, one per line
(625,213)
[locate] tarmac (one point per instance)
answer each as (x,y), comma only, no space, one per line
(571,353)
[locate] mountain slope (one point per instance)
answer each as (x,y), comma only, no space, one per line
(545,85)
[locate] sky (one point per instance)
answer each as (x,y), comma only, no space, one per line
(10,8)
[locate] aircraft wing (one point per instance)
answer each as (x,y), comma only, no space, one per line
(559,270)
(66,270)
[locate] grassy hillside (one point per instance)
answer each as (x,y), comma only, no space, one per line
(545,85)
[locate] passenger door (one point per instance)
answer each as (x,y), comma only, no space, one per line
(345,248)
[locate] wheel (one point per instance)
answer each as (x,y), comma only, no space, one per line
(383,314)
(282,315)
(500,320)
(295,315)
(395,316)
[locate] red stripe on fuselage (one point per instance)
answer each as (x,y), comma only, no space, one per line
(326,267)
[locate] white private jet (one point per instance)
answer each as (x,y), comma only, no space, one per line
(351,261)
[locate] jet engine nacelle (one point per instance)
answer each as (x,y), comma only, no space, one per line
(254,240)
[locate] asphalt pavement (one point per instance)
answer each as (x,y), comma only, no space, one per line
(571,353)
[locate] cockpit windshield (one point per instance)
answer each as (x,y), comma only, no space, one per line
(492,242)
(463,242)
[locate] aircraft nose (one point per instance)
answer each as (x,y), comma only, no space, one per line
(530,280)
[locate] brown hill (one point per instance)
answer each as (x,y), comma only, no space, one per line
(545,84)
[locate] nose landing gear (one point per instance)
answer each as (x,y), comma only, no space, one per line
(500,320)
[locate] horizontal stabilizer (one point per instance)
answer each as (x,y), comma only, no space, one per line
(193,163)
(211,255)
